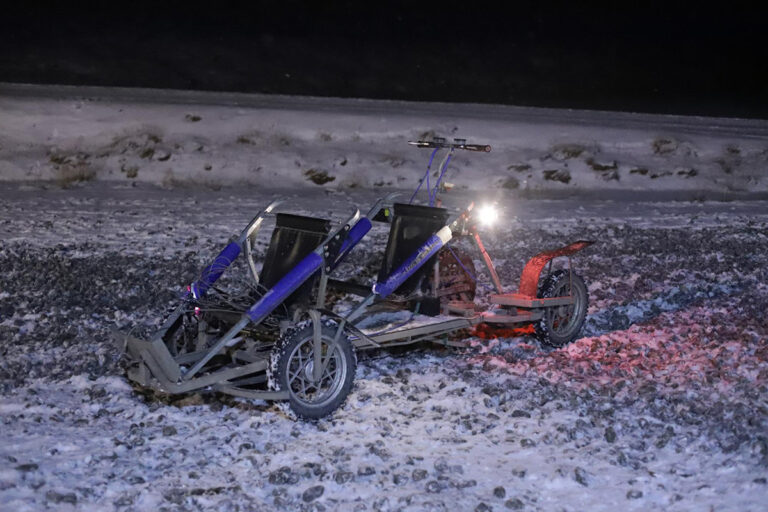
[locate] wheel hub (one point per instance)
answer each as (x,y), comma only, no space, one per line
(309,369)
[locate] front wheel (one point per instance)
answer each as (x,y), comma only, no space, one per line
(313,393)
(562,324)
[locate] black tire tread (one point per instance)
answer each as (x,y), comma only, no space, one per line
(546,290)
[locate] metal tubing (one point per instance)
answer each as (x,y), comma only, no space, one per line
(344,324)
(180,309)
(443,167)
(248,381)
(414,338)
(317,345)
(321,289)
(521,316)
(273,298)
(159,353)
(207,380)
(256,222)
(488,262)
(426,176)
(248,250)
(521,301)
(155,370)
(252,394)
(360,309)
(448,325)
(247,235)
(231,333)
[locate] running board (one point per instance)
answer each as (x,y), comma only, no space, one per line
(424,330)
(253,394)
(524,301)
(520,317)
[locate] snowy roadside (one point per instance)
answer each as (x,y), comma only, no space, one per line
(68,135)
(661,406)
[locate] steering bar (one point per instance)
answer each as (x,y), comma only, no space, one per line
(439,142)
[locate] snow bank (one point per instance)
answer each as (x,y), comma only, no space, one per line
(69,135)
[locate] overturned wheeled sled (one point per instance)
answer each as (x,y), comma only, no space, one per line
(283,339)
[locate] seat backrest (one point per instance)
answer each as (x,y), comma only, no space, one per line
(293,238)
(412,225)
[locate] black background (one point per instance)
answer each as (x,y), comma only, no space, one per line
(689,59)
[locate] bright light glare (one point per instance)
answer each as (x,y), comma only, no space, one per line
(487,215)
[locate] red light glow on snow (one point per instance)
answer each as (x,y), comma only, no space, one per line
(489,332)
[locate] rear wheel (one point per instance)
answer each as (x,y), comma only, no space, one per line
(562,324)
(314,394)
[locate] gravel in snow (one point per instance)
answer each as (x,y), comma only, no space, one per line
(660,406)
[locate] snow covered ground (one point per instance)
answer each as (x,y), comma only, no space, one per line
(662,405)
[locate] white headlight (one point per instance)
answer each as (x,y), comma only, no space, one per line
(487,215)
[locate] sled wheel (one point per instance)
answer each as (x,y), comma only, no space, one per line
(454,267)
(293,362)
(562,324)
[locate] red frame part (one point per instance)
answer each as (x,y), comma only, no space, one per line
(529,280)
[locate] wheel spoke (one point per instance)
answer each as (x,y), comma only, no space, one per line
(303,388)
(331,376)
(331,353)
(293,377)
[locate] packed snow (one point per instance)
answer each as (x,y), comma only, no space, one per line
(68,135)
(661,405)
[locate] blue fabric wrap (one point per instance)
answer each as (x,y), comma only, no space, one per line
(213,272)
(285,286)
(411,265)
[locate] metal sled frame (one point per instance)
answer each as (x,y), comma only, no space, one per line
(153,365)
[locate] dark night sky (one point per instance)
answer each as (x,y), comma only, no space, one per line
(687,60)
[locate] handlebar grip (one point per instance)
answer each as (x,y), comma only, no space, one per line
(483,148)
(423,144)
